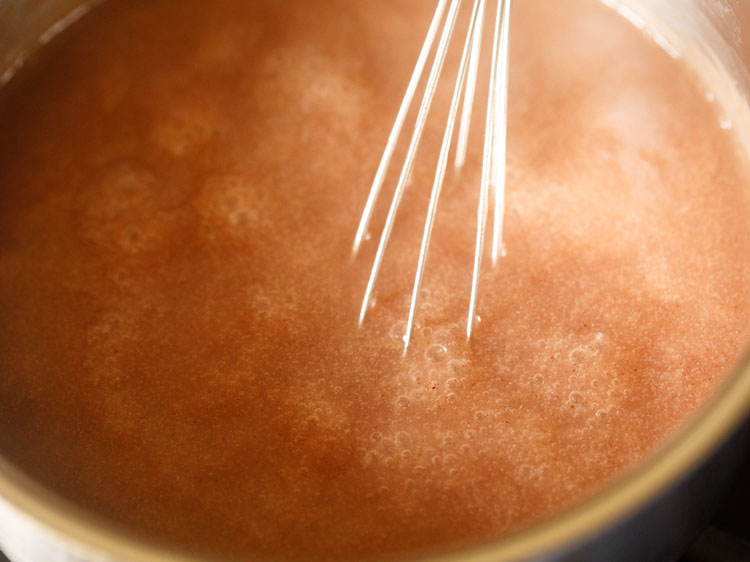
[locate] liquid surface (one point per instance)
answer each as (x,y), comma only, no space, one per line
(181,183)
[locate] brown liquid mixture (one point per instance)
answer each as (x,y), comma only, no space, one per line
(181,183)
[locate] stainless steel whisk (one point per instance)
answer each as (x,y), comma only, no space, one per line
(494,155)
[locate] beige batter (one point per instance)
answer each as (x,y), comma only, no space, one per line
(181,183)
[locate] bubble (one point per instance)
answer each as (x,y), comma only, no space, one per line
(414,375)
(403,438)
(465,449)
(375,437)
(594,383)
(383,490)
(575,397)
(451,397)
(572,380)
(480,415)
(436,353)
(403,402)
(538,379)
(436,460)
(451,384)
(371,457)
(419,470)
(406,454)
(601,413)
(425,332)
(448,440)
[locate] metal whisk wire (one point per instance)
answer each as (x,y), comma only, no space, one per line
(493,163)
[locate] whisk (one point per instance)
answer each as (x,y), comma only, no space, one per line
(494,155)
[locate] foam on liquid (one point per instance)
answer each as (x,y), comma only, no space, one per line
(181,184)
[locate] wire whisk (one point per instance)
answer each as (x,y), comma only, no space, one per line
(494,154)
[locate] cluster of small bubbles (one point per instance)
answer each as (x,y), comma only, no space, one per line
(436,353)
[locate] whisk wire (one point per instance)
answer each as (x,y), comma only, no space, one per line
(489,160)
(437,186)
(500,131)
(390,146)
(493,156)
(437,67)
(471,84)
